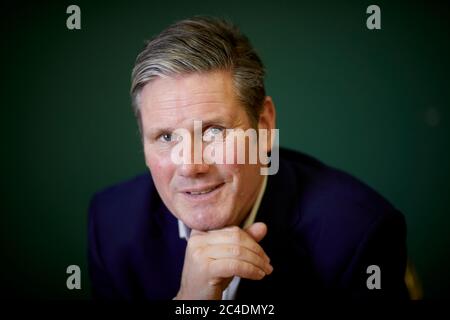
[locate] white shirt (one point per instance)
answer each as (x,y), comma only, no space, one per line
(184,231)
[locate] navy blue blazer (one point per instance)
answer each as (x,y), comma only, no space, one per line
(324,229)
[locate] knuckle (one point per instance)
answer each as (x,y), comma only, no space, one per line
(252,272)
(233,266)
(236,235)
(197,253)
(235,251)
(255,273)
(259,275)
(257,249)
(193,242)
(249,269)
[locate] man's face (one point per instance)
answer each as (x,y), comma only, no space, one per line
(204,196)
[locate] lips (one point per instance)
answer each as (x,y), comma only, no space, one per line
(203,190)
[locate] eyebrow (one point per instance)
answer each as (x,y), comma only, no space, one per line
(156,132)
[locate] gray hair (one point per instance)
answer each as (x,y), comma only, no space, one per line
(202,44)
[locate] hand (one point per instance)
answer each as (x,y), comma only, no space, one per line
(214,257)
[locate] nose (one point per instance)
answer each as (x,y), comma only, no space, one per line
(193,169)
(197,165)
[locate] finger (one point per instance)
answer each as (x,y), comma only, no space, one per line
(235,235)
(196,238)
(196,232)
(225,268)
(237,252)
(257,231)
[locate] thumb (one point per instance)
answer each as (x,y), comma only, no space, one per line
(257,231)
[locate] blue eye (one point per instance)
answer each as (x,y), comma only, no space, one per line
(216,130)
(170,137)
(213,133)
(166,137)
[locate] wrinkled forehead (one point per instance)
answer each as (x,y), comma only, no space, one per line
(183,99)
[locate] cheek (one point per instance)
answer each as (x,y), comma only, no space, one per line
(232,174)
(245,176)
(162,170)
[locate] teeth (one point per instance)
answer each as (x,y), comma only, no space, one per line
(201,192)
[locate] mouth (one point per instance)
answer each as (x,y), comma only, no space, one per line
(204,193)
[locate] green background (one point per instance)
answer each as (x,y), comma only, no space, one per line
(373,103)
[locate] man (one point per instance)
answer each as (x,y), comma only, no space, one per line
(202,229)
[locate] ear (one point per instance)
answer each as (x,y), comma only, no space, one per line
(267,120)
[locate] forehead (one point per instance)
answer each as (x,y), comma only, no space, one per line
(176,101)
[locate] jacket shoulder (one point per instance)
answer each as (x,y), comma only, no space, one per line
(337,215)
(131,188)
(119,209)
(329,193)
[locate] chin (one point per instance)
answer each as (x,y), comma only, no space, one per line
(204,221)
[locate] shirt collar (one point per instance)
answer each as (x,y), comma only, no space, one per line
(184,231)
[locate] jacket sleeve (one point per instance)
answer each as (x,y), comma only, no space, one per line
(384,247)
(102,286)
